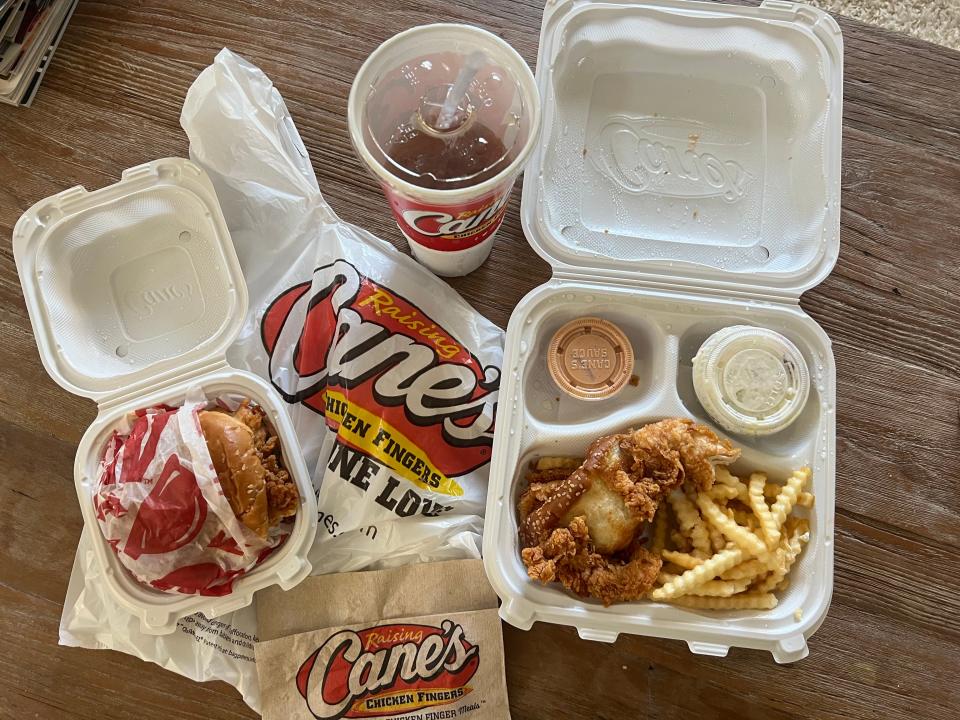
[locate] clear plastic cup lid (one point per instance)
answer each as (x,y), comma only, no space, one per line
(751,380)
(444,107)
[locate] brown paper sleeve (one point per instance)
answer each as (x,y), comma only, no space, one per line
(427,667)
(345,598)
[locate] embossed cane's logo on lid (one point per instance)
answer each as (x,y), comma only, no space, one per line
(668,156)
(145,301)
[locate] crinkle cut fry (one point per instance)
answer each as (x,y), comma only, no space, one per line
(707,570)
(768,525)
(684,560)
(771,490)
(690,522)
(711,588)
(742,515)
(744,518)
(725,477)
(788,554)
(788,495)
(746,570)
(723,492)
(717,541)
(680,541)
(737,533)
(660,522)
(743,601)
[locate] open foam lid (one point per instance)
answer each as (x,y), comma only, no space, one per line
(133,283)
(688,142)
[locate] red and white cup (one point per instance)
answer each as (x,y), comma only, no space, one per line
(450,231)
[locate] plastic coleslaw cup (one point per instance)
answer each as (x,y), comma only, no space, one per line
(751,380)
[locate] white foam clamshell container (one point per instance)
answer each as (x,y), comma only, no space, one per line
(134,292)
(688,180)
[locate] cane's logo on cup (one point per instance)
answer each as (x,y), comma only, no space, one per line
(668,157)
(388,670)
(388,379)
(450,227)
(434,223)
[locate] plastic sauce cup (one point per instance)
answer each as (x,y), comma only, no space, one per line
(751,380)
(590,359)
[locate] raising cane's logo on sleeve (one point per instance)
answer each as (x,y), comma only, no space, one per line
(388,670)
(388,379)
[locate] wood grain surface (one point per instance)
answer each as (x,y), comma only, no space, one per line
(890,646)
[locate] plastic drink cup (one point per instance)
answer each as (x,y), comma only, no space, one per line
(445,116)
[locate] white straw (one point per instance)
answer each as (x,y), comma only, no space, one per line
(475,60)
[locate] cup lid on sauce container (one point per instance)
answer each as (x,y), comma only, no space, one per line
(590,358)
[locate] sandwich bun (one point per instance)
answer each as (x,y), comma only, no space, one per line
(239,468)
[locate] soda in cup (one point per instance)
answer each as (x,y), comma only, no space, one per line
(445,116)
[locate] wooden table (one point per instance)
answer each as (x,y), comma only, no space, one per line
(890,646)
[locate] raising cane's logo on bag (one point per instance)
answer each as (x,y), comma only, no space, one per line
(407,401)
(388,670)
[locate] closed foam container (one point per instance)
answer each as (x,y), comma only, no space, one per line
(134,292)
(688,180)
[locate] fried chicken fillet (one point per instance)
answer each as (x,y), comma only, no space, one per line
(582,528)
(246,456)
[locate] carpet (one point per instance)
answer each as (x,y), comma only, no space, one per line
(936,21)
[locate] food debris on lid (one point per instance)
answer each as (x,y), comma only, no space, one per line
(590,358)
